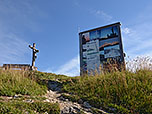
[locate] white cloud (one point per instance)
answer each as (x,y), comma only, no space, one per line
(15,15)
(12,49)
(98,13)
(102,14)
(126,30)
(70,68)
(138,41)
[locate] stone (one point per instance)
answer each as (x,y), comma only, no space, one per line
(66,110)
(112,109)
(70,110)
(29,100)
(17,96)
(66,106)
(80,101)
(66,100)
(61,98)
(46,100)
(86,105)
(76,109)
(26,112)
(9,98)
(54,85)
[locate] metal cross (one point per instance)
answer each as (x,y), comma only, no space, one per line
(34,55)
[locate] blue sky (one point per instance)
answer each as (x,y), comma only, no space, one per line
(54,25)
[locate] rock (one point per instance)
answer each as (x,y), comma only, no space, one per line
(80,101)
(66,110)
(54,85)
(17,96)
(46,100)
(76,109)
(112,109)
(9,98)
(61,98)
(26,112)
(86,105)
(66,100)
(54,95)
(29,100)
(70,110)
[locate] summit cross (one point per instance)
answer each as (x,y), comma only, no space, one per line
(34,55)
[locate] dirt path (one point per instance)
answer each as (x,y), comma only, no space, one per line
(67,107)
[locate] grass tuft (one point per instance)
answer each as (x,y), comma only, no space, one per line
(118,92)
(18,82)
(19,107)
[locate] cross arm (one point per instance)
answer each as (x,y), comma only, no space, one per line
(36,50)
(30,46)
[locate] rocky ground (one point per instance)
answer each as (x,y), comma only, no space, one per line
(67,107)
(54,95)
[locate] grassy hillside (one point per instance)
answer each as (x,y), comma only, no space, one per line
(117,92)
(18,82)
(21,92)
(128,91)
(20,107)
(124,92)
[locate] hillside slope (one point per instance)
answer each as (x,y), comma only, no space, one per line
(20,92)
(38,92)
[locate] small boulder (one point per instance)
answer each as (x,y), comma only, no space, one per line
(66,110)
(80,101)
(29,101)
(86,105)
(17,96)
(46,100)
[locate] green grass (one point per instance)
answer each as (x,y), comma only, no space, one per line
(19,107)
(118,92)
(29,86)
(18,82)
(125,91)
(48,76)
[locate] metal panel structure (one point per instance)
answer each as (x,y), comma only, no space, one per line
(99,45)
